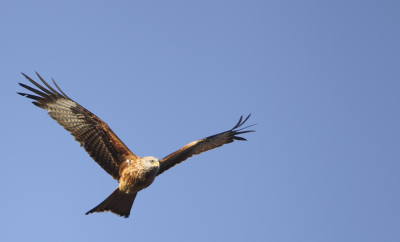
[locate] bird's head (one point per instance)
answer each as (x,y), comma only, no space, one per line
(150,162)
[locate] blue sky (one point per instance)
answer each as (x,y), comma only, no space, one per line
(321,79)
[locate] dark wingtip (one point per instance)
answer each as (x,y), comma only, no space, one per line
(240,123)
(59,88)
(239,138)
(238,131)
(246,118)
(27,77)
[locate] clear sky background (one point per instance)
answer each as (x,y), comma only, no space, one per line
(321,79)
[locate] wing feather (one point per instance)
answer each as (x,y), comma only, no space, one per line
(98,140)
(203,145)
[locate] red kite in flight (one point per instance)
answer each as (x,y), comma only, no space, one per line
(132,172)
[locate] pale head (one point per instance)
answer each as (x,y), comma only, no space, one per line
(150,162)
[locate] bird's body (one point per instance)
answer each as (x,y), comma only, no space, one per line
(132,172)
(137,175)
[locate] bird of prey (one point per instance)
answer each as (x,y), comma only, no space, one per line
(132,172)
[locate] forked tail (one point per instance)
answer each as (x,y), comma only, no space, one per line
(118,202)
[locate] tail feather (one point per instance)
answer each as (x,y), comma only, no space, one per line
(118,202)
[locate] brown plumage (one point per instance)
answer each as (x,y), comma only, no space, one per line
(133,173)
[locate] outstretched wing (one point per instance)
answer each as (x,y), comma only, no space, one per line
(202,145)
(92,133)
